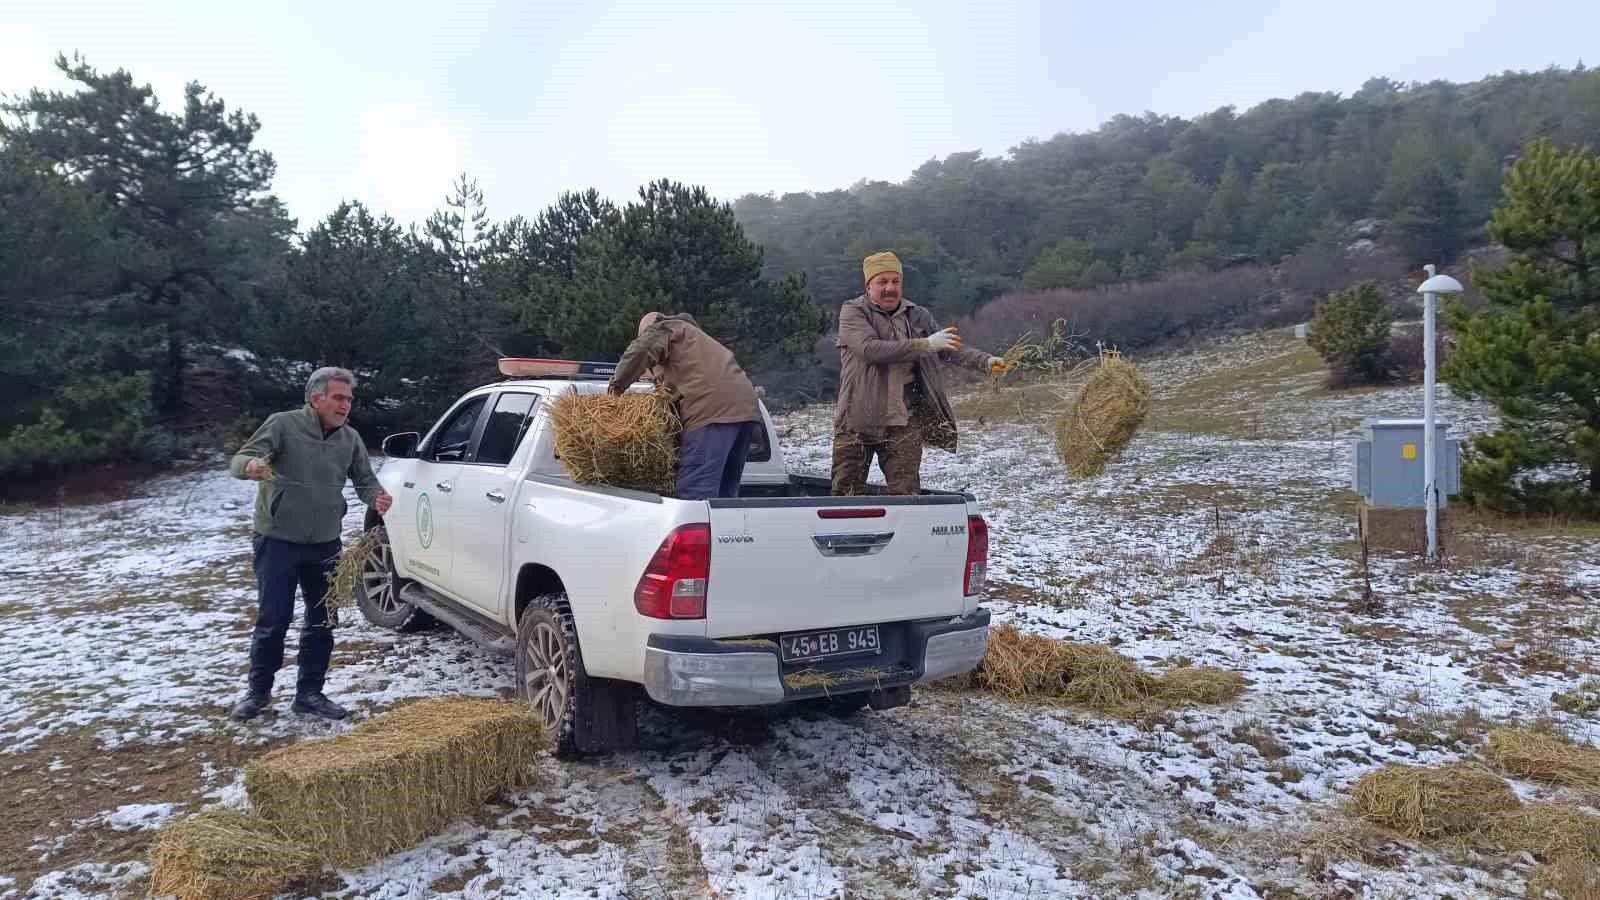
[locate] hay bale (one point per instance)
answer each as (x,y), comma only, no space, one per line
(1200,684)
(1104,417)
(396,778)
(1431,803)
(225,854)
(1553,832)
(1544,757)
(626,441)
(1021,666)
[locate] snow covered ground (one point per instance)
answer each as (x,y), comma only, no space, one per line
(1223,536)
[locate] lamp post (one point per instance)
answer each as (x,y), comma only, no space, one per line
(1430,291)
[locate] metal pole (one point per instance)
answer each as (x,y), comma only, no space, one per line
(1429,475)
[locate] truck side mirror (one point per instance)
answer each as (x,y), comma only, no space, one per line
(402,445)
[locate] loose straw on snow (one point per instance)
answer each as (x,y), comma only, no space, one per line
(626,441)
(1024,666)
(1104,417)
(1546,758)
(1433,803)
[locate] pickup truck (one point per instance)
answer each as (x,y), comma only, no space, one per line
(783,595)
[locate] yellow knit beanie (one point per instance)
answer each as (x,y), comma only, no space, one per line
(879,263)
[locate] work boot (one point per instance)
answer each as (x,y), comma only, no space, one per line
(251,706)
(317,704)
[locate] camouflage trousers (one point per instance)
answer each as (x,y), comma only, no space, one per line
(899,458)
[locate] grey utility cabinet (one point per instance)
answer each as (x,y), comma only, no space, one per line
(1386,463)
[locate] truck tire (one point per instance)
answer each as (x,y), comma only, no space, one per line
(377,592)
(582,714)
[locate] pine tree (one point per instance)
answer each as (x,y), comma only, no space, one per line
(1351,333)
(1535,351)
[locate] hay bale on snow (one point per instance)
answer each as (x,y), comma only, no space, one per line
(1543,757)
(225,854)
(1104,417)
(397,778)
(626,441)
(1431,803)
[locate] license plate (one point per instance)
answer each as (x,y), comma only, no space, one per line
(860,641)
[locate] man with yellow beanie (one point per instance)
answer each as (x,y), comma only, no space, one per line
(891,384)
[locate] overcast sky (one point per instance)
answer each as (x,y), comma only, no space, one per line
(386,102)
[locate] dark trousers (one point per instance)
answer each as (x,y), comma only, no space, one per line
(899,457)
(281,566)
(711,460)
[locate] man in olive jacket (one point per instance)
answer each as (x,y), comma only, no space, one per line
(717,403)
(891,383)
(302,459)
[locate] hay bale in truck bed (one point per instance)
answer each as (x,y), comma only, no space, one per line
(397,778)
(626,441)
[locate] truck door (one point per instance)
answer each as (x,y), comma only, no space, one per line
(486,491)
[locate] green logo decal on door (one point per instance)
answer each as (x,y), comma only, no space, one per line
(424,521)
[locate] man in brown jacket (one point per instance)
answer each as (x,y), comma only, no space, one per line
(891,384)
(716,402)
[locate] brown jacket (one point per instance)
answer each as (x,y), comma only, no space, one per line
(868,347)
(710,387)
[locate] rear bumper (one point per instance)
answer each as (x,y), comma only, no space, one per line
(690,671)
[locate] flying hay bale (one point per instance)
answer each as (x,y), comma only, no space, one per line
(396,778)
(626,441)
(1553,832)
(1022,666)
(1104,417)
(225,854)
(1543,757)
(1431,803)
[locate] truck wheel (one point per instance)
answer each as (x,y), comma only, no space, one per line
(377,592)
(582,714)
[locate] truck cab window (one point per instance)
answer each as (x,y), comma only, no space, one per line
(455,438)
(505,428)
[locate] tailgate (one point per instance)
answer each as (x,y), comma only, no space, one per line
(794,564)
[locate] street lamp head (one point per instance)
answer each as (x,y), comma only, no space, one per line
(1440,284)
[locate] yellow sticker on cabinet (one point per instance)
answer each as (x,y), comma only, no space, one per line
(1408,451)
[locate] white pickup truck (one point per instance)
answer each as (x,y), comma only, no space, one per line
(783,595)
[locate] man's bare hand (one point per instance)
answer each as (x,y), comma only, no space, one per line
(382,502)
(256,469)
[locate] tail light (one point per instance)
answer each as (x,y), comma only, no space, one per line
(673,585)
(977,556)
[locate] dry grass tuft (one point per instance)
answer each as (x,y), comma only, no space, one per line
(225,854)
(811,678)
(1545,757)
(1023,666)
(627,441)
(1104,418)
(1433,803)
(346,575)
(397,778)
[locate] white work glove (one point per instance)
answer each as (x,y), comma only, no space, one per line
(940,341)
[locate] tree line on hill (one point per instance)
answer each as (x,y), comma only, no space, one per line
(152,288)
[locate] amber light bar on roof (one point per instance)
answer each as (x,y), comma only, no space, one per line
(525,367)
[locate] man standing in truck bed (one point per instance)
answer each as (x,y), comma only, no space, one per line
(302,459)
(891,383)
(716,402)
